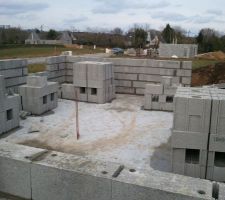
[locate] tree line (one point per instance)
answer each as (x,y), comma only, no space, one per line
(207,39)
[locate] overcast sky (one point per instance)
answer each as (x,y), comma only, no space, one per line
(192,15)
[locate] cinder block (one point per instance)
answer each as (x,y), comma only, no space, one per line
(15,176)
(71,177)
(122,83)
(189,140)
(154,89)
(186,64)
(140,91)
(216,166)
(217,142)
(80,74)
(129,186)
(37,81)
(185,73)
(189,162)
(125,90)
(120,76)
(186,80)
(151,78)
(148,102)
(167,80)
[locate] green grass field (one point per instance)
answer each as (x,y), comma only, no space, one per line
(199,63)
(32,51)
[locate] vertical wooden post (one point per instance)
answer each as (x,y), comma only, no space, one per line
(77,116)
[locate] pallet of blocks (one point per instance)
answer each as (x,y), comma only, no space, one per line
(9,109)
(216,151)
(38,95)
(191,127)
(92,82)
(160,96)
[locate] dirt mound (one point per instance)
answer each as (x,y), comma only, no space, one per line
(212,74)
(217,55)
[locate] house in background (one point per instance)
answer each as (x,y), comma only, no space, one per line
(65,38)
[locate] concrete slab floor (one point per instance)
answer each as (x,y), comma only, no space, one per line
(118,132)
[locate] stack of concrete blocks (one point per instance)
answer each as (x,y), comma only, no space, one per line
(56,68)
(39,96)
(160,96)
(216,151)
(9,109)
(191,127)
(92,82)
(15,72)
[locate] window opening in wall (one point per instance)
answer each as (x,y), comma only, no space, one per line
(82,90)
(44,99)
(52,96)
(219,159)
(94,91)
(169,99)
(155,98)
(9,114)
(192,156)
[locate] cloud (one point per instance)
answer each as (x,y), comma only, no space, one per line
(74,20)
(215,12)
(117,6)
(21,7)
(169,16)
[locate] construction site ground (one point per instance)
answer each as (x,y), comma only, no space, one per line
(119,132)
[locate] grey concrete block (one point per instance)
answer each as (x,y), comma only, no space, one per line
(148,102)
(15,177)
(80,74)
(71,177)
(216,167)
(167,186)
(150,78)
(140,84)
(154,89)
(186,80)
(166,80)
(185,73)
(10,73)
(140,91)
(189,164)
(120,76)
(186,65)
(217,143)
(189,140)
(37,81)
(125,90)
(123,83)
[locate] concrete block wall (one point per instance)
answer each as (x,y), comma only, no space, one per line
(42,174)
(9,109)
(160,96)
(180,50)
(131,75)
(15,72)
(38,96)
(92,82)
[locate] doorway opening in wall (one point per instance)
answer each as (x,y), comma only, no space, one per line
(219,160)
(169,99)
(192,156)
(9,114)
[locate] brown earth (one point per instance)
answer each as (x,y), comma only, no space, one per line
(217,55)
(212,74)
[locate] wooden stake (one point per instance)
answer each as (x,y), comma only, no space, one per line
(77,116)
